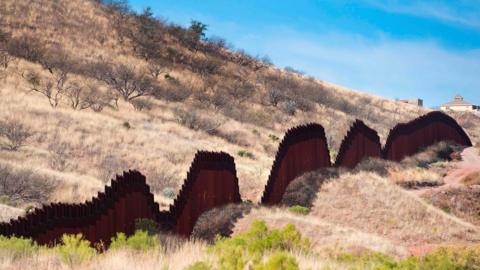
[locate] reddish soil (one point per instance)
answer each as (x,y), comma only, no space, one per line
(469,164)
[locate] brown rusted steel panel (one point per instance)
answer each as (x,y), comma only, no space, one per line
(408,138)
(359,143)
(211,182)
(303,148)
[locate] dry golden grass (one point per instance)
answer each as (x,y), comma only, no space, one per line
(179,258)
(324,235)
(374,205)
(415,176)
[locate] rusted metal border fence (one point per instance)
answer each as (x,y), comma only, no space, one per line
(212,181)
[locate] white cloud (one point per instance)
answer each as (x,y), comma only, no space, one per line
(465,13)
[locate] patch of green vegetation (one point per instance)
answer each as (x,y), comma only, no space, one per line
(15,248)
(442,259)
(251,246)
(139,241)
(245,153)
(279,261)
(74,249)
(298,209)
(199,266)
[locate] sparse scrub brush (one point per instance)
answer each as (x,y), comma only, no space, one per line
(140,241)
(16,248)
(74,249)
(15,134)
(253,245)
(297,209)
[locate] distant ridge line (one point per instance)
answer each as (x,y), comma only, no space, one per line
(212,181)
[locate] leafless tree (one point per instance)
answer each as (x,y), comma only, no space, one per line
(156,68)
(15,133)
(241,91)
(274,96)
(82,97)
(24,185)
(206,66)
(125,81)
(52,89)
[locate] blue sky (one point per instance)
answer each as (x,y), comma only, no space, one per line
(392,48)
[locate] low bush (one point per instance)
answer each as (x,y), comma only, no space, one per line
(251,246)
(74,249)
(245,153)
(297,209)
(147,225)
(279,261)
(16,248)
(219,221)
(193,120)
(140,241)
(15,134)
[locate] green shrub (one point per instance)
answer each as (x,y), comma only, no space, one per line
(297,209)
(251,246)
(273,137)
(279,261)
(169,192)
(199,266)
(126,125)
(245,153)
(139,241)
(17,247)
(147,225)
(74,250)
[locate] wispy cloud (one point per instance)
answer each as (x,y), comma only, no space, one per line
(465,13)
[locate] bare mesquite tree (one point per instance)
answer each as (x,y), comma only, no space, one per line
(156,68)
(82,96)
(14,133)
(24,185)
(125,80)
(53,88)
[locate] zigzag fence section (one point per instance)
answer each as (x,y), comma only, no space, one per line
(212,181)
(127,199)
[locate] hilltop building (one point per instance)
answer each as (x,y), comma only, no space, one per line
(417,102)
(459,105)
